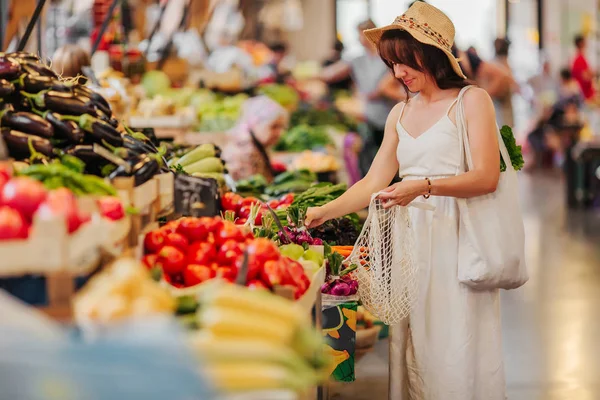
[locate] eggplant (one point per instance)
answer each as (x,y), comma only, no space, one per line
(99,130)
(28,123)
(86,153)
(96,97)
(6,88)
(38,83)
(137,145)
(37,68)
(65,129)
(62,103)
(143,168)
(9,69)
(23,55)
(18,143)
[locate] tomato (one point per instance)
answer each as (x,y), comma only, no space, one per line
(149,260)
(229,232)
(154,241)
(241,221)
(177,240)
(257,285)
(193,229)
(5,175)
(244,212)
(271,273)
(249,201)
(195,274)
(262,250)
(213,225)
(171,259)
(111,207)
(12,224)
(286,199)
(171,226)
(273,203)
(230,251)
(227,273)
(201,253)
(231,201)
(62,202)
(174,280)
(24,195)
(286,277)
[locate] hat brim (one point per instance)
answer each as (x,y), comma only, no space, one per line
(374,35)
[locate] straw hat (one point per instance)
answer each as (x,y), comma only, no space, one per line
(426,24)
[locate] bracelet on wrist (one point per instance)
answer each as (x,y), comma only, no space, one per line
(428,194)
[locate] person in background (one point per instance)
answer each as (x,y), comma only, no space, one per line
(68,62)
(276,65)
(489,75)
(581,69)
(335,57)
(377,87)
(259,127)
(543,88)
(569,89)
(503,98)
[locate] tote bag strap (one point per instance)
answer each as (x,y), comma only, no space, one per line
(463,138)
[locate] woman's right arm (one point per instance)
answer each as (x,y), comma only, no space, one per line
(382,171)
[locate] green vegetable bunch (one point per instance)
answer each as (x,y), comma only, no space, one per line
(514,151)
(304,137)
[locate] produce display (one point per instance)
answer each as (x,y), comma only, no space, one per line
(285,95)
(44,117)
(341,231)
(304,137)
(23,199)
(316,162)
(252,341)
(124,290)
(191,251)
(284,183)
(241,207)
(203,161)
(323,117)
(220,114)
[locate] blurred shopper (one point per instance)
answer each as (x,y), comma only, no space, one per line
(581,69)
(376,86)
(503,98)
(569,90)
(335,57)
(491,76)
(450,346)
(260,126)
(279,70)
(543,88)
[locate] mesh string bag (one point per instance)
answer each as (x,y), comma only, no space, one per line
(386,262)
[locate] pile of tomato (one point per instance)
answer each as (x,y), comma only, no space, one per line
(241,206)
(194,250)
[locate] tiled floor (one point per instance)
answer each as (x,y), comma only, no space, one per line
(551,325)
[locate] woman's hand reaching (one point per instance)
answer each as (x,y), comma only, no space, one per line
(315,216)
(403,193)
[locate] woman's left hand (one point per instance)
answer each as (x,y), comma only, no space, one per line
(403,193)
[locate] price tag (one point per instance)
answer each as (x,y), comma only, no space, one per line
(196,197)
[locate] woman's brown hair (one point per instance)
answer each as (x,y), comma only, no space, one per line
(399,47)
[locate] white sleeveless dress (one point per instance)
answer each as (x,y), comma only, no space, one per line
(450,348)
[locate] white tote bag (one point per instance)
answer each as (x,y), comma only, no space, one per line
(491,250)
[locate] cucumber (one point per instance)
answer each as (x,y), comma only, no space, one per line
(199,153)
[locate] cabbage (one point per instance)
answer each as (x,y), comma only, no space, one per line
(155,82)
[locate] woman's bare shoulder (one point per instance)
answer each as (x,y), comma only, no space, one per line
(477,100)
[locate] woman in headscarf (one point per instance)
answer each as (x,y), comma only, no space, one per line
(259,127)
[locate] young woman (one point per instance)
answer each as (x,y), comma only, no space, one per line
(260,126)
(450,346)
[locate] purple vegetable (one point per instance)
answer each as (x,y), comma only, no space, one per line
(326,287)
(353,287)
(340,289)
(317,242)
(283,239)
(304,237)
